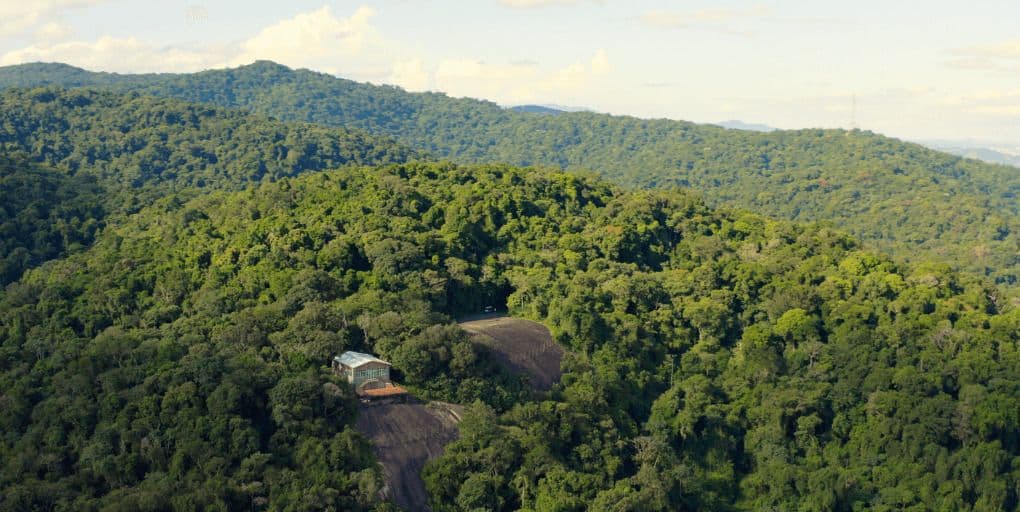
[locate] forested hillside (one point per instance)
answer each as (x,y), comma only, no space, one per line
(130,141)
(68,158)
(898,197)
(721,361)
(44,213)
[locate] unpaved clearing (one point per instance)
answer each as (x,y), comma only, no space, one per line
(405,437)
(522,346)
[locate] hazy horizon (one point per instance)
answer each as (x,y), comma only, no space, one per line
(947,72)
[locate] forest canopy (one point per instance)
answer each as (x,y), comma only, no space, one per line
(183,254)
(899,198)
(718,360)
(70,158)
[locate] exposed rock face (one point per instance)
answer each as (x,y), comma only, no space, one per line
(405,437)
(522,346)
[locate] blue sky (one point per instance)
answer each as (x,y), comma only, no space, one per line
(937,69)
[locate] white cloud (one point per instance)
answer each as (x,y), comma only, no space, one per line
(995,110)
(411,75)
(476,78)
(350,46)
(524,62)
(733,21)
(1004,56)
(19,16)
(518,83)
(53,31)
(900,93)
(983,96)
(532,4)
(972,63)
(117,54)
(569,78)
(991,102)
(600,62)
(716,19)
(315,39)
(1003,50)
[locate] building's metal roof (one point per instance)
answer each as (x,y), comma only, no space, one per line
(353,359)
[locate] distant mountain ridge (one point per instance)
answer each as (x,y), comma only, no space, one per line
(986,155)
(537,109)
(899,197)
(735,124)
(548,108)
(140,142)
(979,150)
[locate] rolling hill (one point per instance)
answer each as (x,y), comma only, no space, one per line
(898,197)
(71,158)
(715,359)
(180,272)
(1005,156)
(142,143)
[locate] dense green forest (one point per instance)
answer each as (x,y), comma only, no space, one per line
(176,279)
(44,213)
(130,141)
(719,360)
(69,158)
(900,198)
